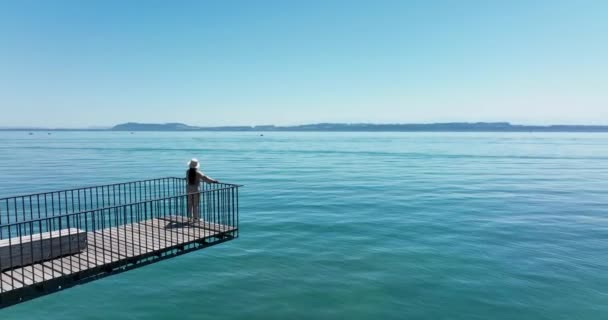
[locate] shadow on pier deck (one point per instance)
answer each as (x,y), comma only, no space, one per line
(55,240)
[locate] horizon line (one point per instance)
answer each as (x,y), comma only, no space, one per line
(321,126)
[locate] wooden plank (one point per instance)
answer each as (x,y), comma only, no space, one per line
(175,234)
(110,243)
(138,237)
(101,246)
(33,274)
(124,243)
(154,235)
(132,238)
(192,228)
(157,233)
(25,250)
(81,262)
(8,283)
(88,260)
(26,276)
(200,223)
(204,224)
(196,232)
(50,271)
(47,273)
(108,246)
(183,226)
(96,251)
(62,266)
(121,245)
(100,251)
(104,251)
(90,254)
(94,256)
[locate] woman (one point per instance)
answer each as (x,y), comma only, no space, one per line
(194,177)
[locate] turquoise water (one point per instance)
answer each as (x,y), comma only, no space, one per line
(351,225)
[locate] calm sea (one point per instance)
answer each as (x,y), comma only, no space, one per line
(350,225)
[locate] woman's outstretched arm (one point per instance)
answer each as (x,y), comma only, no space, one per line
(206,178)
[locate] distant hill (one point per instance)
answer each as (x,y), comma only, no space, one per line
(340,127)
(367,127)
(134,126)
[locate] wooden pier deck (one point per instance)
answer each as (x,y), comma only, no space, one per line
(54,240)
(112,250)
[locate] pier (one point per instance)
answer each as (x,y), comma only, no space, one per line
(54,240)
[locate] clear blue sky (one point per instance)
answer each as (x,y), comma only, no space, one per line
(83,63)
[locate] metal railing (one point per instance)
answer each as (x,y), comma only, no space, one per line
(45,204)
(86,231)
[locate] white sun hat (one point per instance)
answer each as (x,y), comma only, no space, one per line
(193,163)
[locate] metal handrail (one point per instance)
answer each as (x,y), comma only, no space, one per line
(32,207)
(226,183)
(115,207)
(84,188)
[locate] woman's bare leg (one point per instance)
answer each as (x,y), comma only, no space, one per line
(190,206)
(196,206)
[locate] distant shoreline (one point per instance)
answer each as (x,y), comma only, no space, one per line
(338,127)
